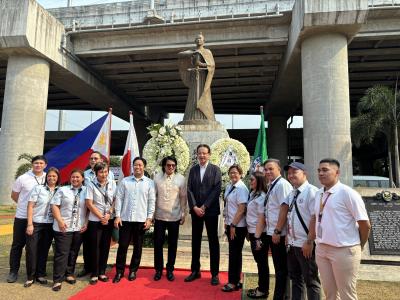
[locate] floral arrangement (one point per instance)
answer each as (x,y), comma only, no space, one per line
(165,141)
(226,152)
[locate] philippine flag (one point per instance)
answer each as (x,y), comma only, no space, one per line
(75,152)
(131,150)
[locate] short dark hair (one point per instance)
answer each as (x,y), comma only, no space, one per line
(203,146)
(100,166)
(261,185)
(139,158)
(164,163)
(39,157)
(97,152)
(55,170)
(331,161)
(274,160)
(237,167)
(77,170)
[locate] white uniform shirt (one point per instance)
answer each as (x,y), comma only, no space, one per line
(102,197)
(342,210)
(24,185)
(171,197)
(255,207)
(306,205)
(41,196)
(239,195)
(135,199)
(90,176)
(277,197)
(72,212)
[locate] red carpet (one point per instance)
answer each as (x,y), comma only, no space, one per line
(144,287)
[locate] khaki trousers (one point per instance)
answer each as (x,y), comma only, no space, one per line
(338,267)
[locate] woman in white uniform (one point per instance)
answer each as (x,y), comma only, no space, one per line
(70,220)
(39,230)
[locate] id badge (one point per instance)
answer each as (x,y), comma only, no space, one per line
(319,231)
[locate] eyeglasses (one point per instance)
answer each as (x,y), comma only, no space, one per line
(171,165)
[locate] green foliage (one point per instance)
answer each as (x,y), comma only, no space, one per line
(25,166)
(115,161)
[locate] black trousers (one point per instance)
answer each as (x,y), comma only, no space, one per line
(18,243)
(279,257)
(87,252)
(130,231)
(304,273)
(235,254)
(261,258)
(211,223)
(67,250)
(100,240)
(159,238)
(37,250)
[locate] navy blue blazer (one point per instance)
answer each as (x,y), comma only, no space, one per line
(205,192)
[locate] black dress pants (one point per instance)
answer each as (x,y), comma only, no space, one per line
(235,254)
(159,238)
(67,250)
(37,250)
(18,243)
(304,274)
(87,252)
(211,223)
(100,240)
(261,258)
(130,231)
(279,257)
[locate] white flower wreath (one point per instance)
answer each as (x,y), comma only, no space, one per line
(226,152)
(165,141)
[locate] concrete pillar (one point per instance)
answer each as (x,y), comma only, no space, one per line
(326,107)
(23,119)
(277,138)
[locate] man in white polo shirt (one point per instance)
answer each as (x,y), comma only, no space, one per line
(21,190)
(342,229)
(303,270)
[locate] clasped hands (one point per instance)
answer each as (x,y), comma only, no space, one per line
(199,211)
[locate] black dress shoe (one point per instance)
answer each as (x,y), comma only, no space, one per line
(229,287)
(56,287)
(118,277)
(71,280)
(193,276)
(93,280)
(239,286)
(82,273)
(41,280)
(214,280)
(28,283)
(157,276)
(103,278)
(12,277)
(132,276)
(170,276)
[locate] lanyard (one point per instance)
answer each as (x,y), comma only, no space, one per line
(51,195)
(75,209)
(322,205)
(270,190)
(37,181)
(294,200)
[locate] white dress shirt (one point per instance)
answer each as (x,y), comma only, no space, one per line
(203,170)
(90,176)
(239,195)
(277,197)
(342,210)
(306,204)
(41,195)
(71,202)
(135,199)
(255,207)
(97,193)
(24,185)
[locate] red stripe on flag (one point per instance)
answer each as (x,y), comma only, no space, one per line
(80,162)
(126,164)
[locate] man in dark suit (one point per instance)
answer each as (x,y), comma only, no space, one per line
(204,188)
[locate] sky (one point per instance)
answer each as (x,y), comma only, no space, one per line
(77,120)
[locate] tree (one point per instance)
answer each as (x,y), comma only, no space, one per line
(26,166)
(378,113)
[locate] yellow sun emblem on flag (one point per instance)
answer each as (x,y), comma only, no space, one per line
(102,139)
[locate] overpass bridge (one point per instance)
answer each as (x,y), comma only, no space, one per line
(312,58)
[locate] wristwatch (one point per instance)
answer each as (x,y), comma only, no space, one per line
(233,225)
(276,231)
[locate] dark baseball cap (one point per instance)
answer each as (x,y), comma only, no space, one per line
(296,165)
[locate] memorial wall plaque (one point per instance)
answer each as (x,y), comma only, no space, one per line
(385,226)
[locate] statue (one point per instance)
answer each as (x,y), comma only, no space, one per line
(196,68)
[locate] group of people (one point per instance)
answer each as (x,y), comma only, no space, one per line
(306,234)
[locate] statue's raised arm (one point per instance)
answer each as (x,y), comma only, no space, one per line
(196,68)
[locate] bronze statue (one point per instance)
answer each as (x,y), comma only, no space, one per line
(196,68)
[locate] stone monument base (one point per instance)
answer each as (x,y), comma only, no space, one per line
(196,132)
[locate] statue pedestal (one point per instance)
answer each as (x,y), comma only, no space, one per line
(197,132)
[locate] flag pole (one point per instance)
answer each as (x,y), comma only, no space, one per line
(109,142)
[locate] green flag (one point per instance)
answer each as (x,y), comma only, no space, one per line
(260,153)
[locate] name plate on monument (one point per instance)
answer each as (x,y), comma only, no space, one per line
(385,226)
